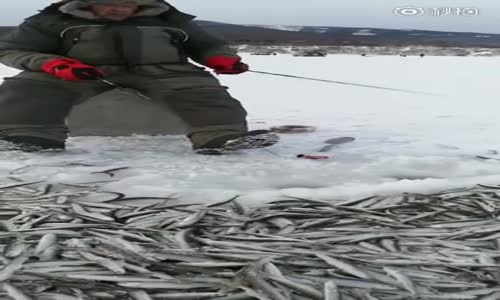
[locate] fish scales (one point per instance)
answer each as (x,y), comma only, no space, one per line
(81,244)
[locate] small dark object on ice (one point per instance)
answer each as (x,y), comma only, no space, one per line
(250,140)
(486,158)
(314,157)
(493,152)
(340,140)
(331,143)
(293,129)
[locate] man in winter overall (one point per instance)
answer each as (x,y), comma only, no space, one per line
(69,47)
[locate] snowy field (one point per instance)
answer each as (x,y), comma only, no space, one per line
(404,142)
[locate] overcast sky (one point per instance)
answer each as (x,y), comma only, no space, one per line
(481,15)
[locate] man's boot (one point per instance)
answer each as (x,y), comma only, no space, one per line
(232,142)
(30,144)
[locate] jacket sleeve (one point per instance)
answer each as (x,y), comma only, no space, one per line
(27,47)
(202,45)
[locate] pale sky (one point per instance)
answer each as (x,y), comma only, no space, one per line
(447,15)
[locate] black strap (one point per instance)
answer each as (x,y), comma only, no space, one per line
(127,40)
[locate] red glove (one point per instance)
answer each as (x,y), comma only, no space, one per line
(226,64)
(71,69)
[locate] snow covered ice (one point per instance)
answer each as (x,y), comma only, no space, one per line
(404,142)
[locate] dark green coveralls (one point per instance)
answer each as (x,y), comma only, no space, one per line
(147,52)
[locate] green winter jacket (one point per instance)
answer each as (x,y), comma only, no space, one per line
(165,37)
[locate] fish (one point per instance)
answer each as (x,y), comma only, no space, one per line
(331,291)
(332,143)
(75,241)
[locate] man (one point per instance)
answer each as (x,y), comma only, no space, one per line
(71,48)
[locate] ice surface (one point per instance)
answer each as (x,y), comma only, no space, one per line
(404,142)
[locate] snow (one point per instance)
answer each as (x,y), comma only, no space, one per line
(364,32)
(280,27)
(405,142)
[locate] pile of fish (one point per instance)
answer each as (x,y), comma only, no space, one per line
(62,241)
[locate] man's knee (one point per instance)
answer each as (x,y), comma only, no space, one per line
(30,102)
(206,107)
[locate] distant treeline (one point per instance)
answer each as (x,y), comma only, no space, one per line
(343,36)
